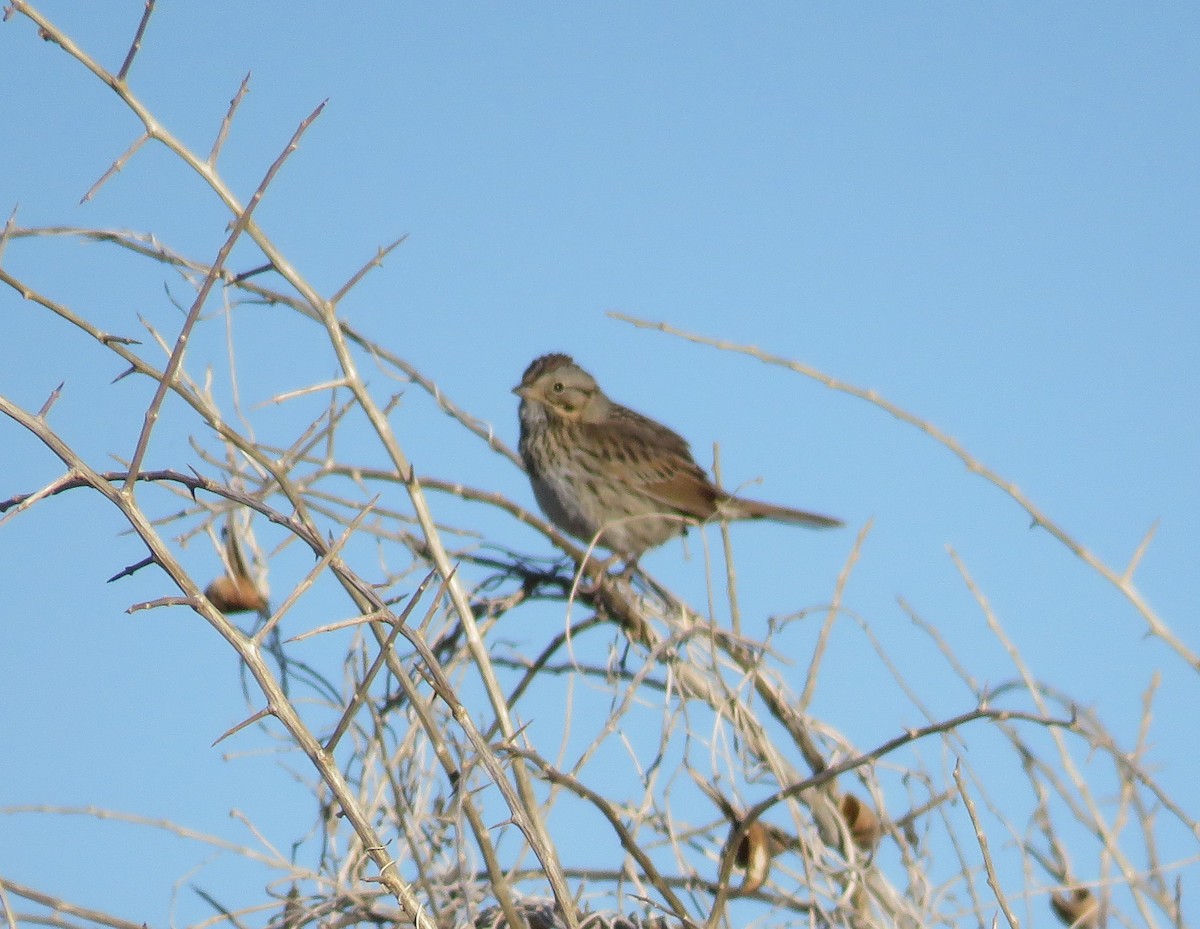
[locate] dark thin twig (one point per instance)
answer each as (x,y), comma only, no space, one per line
(131,569)
(253,272)
(539,664)
(136,45)
(223,910)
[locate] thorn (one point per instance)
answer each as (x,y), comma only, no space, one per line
(131,569)
(161,601)
(51,400)
(246,275)
(261,714)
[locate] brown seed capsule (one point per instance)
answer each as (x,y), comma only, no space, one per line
(235,595)
(1076,908)
(236,592)
(864,825)
(753,854)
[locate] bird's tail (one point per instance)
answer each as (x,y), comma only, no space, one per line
(740,508)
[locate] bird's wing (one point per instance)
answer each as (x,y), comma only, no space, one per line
(658,463)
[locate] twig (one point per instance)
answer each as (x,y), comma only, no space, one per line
(7,232)
(358,275)
(135,819)
(136,45)
(326,559)
(360,692)
(60,905)
(248,721)
(1096,819)
(117,165)
(227,121)
(277,700)
(839,590)
(981,838)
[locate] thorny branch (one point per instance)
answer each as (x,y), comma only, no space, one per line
(465,770)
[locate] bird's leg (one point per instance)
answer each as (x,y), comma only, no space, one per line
(628,571)
(598,571)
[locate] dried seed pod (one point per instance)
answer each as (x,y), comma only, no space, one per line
(865,828)
(236,592)
(1076,908)
(753,854)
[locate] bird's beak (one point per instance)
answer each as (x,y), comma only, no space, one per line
(521,391)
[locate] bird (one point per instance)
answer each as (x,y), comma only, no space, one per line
(601,470)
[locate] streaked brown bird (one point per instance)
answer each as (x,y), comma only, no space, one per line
(596,465)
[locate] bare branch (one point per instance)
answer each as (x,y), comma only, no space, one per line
(7,232)
(1157,626)
(981,838)
(219,142)
(136,45)
(362,272)
(115,168)
(181,341)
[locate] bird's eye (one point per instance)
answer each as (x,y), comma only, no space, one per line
(558,387)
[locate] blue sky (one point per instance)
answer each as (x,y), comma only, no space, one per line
(988,213)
